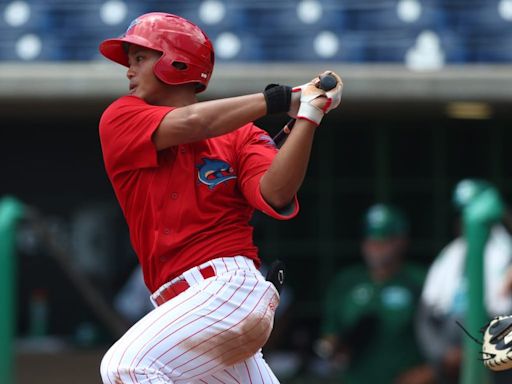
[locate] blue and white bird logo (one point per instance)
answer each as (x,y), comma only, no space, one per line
(213,172)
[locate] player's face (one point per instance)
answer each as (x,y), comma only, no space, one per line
(382,253)
(143,82)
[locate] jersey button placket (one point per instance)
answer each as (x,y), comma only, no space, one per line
(174,195)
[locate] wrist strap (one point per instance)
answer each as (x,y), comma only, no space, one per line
(278,98)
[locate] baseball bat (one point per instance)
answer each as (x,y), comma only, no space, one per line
(327,82)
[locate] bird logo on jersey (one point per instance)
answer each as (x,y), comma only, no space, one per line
(213,172)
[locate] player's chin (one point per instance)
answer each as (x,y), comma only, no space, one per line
(141,93)
(135,91)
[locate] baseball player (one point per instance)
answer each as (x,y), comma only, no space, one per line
(188,176)
(370,310)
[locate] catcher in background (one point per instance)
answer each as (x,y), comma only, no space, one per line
(369,317)
(444,297)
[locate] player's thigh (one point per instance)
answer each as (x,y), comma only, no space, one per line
(145,340)
(230,329)
(207,328)
(254,370)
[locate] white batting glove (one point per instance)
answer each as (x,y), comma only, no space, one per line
(302,95)
(307,111)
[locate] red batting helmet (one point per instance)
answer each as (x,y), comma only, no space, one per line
(187,53)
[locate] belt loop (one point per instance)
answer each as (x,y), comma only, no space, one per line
(153,301)
(193,276)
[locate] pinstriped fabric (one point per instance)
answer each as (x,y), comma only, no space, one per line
(231,378)
(234,350)
(204,335)
(194,329)
(248,372)
(243,373)
(123,353)
(154,344)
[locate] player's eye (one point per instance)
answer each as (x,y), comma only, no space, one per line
(139,58)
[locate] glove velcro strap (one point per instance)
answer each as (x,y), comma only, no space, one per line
(327,105)
(310,112)
(278,98)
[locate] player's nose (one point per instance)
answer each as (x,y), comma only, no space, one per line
(130,73)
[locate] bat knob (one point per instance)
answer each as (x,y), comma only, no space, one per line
(327,82)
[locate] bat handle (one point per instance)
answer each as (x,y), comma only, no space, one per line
(280,137)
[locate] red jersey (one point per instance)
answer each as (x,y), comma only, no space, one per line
(189,203)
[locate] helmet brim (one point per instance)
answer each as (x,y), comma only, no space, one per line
(114,49)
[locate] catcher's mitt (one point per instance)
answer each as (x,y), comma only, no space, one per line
(497,344)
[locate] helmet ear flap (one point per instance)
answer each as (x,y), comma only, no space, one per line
(166,68)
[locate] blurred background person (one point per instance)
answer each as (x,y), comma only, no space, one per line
(368,327)
(444,298)
(132,301)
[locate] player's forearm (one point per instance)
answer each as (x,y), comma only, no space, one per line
(283,179)
(208,119)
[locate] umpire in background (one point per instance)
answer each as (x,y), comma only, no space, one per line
(368,327)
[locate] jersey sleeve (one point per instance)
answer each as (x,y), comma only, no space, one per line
(126,128)
(256,150)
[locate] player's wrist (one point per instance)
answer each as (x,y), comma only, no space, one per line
(294,103)
(278,98)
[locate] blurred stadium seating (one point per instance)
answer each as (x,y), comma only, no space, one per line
(350,31)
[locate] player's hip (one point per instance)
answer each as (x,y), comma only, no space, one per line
(234,277)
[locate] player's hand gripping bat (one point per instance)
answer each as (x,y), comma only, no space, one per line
(327,82)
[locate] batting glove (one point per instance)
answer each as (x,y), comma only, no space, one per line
(307,111)
(301,107)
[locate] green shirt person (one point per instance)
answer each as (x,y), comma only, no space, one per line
(370,310)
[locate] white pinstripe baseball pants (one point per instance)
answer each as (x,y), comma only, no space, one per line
(211,333)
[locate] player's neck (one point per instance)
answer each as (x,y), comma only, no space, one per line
(179,96)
